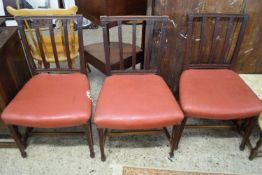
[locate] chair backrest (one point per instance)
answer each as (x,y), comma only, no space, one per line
(214,40)
(155,35)
(66,38)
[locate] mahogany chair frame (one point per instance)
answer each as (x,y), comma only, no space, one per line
(149,32)
(243,128)
(34,70)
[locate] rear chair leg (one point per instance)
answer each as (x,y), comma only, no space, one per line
(251,124)
(88,67)
(254,151)
(174,136)
(28,131)
(18,139)
(90,141)
(102,143)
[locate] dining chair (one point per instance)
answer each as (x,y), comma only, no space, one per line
(208,87)
(94,53)
(57,95)
(136,99)
(45,39)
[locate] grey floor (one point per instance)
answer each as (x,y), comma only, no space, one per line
(203,150)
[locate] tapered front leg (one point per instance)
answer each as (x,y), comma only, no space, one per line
(174,137)
(89,137)
(102,143)
(18,139)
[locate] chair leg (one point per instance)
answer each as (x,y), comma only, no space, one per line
(182,126)
(89,137)
(142,64)
(18,140)
(101,143)
(88,67)
(251,124)
(167,134)
(254,151)
(174,137)
(26,135)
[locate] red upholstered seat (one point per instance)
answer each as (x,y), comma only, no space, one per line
(51,100)
(136,102)
(217,94)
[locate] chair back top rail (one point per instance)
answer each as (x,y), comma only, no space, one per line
(41,12)
(220,38)
(50,43)
(155,35)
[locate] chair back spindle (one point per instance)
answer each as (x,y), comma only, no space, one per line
(52,36)
(66,42)
(148,43)
(134,28)
(120,42)
(40,42)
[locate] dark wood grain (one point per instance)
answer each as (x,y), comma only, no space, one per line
(214,43)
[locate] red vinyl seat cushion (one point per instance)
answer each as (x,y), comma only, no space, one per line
(49,101)
(136,102)
(217,94)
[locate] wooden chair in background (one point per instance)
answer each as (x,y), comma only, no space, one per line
(45,39)
(55,97)
(94,53)
(136,100)
(208,87)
